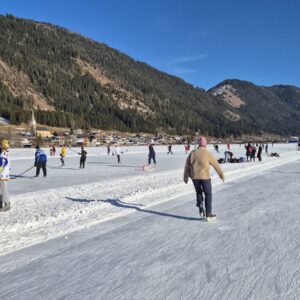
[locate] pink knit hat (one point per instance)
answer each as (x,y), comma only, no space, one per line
(202,141)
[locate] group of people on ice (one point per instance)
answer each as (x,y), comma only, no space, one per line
(41,159)
(197,168)
(116,152)
(252,152)
(40,162)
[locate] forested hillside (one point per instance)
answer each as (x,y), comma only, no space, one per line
(74,81)
(274,109)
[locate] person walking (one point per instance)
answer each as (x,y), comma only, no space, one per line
(63,154)
(197,167)
(170,149)
(248,151)
(216,148)
(52,151)
(83,154)
(267,148)
(40,161)
(4,176)
(151,155)
(108,149)
(253,152)
(259,152)
(117,152)
(187,148)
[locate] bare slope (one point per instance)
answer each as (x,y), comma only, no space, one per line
(266,109)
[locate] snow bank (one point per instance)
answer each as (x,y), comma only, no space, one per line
(39,216)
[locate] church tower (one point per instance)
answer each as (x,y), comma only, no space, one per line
(33,124)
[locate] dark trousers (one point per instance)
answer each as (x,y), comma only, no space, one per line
(119,158)
(151,157)
(41,165)
(203,187)
(82,161)
(62,160)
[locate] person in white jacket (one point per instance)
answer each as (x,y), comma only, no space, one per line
(4,176)
(117,152)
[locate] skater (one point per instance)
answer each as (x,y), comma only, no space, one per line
(253,152)
(117,152)
(228,147)
(108,149)
(4,176)
(187,148)
(83,154)
(63,154)
(170,149)
(216,148)
(151,155)
(40,161)
(197,168)
(52,151)
(267,148)
(228,156)
(259,152)
(248,151)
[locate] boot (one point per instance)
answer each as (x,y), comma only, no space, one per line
(201,212)
(210,217)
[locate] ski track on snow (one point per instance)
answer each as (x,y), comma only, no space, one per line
(39,216)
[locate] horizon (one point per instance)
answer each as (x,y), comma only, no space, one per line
(198,61)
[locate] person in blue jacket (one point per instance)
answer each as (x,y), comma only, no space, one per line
(4,176)
(40,161)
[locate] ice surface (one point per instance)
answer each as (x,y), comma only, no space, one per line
(115,232)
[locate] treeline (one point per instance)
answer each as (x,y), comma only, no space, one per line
(273,109)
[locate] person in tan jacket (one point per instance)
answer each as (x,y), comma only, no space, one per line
(197,167)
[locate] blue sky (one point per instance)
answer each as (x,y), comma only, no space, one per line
(203,42)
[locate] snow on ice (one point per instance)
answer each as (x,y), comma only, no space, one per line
(116,232)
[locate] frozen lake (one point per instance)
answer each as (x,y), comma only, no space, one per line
(116,232)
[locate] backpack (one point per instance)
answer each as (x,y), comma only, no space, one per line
(3,163)
(221,160)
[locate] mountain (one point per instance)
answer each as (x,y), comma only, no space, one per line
(70,80)
(274,109)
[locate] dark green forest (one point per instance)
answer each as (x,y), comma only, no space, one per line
(47,54)
(274,109)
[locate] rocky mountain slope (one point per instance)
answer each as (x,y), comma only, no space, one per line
(274,109)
